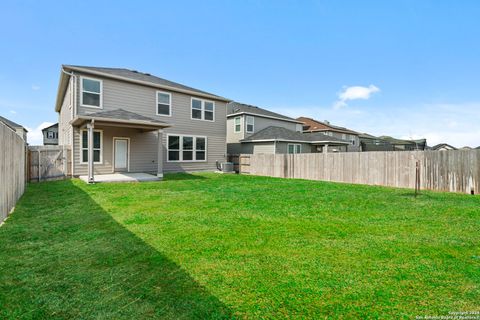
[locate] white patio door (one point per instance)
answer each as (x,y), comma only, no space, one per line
(120,154)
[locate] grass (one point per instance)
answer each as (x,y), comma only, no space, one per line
(212,246)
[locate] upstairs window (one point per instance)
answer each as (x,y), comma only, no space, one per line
(91,92)
(238,124)
(294,148)
(203,109)
(164,103)
(250,124)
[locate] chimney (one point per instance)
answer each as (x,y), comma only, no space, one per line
(326,121)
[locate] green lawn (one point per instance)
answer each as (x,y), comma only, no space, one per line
(228,246)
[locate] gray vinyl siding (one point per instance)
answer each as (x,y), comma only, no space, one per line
(232,136)
(143,150)
(65,132)
(261,123)
(282,147)
(258,147)
(142,100)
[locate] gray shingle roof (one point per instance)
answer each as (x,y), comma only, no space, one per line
(440,145)
(279,133)
(146,77)
(122,115)
(10,123)
(237,107)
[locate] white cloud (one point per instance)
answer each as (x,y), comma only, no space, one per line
(34,136)
(13,112)
(354,93)
(35,87)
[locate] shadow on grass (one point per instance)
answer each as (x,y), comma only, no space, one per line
(64,257)
(182,176)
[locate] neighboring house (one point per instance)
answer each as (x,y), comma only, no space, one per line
(281,140)
(442,147)
(405,145)
(50,135)
(325,127)
(20,130)
(386,143)
(120,120)
(245,120)
(466,148)
(252,130)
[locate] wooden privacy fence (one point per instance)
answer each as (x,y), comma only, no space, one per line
(454,171)
(49,163)
(12,169)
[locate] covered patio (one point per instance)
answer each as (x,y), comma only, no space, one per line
(118,146)
(122,177)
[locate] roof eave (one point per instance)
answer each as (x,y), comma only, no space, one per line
(261,115)
(146,83)
(80,119)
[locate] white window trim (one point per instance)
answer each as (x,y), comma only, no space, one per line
(194,150)
(202,109)
(169,105)
(81,93)
(82,148)
(294,148)
(235,124)
(246,124)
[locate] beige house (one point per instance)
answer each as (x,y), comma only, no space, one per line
(120,120)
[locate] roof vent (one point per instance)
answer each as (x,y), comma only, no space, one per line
(147,74)
(135,71)
(326,121)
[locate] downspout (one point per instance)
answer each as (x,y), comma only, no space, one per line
(274,146)
(73,84)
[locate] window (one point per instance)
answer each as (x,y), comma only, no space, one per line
(164,103)
(91,92)
(344,136)
(187,148)
(52,135)
(294,148)
(238,125)
(250,122)
(203,109)
(97,146)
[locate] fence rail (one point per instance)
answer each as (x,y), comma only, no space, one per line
(49,163)
(12,169)
(454,171)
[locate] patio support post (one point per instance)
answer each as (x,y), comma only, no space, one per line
(90,127)
(160,155)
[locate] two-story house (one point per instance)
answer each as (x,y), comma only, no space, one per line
(311,125)
(50,135)
(252,130)
(120,120)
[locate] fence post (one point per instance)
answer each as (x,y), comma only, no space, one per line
(39,166)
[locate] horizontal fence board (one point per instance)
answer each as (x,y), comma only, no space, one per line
(453,170)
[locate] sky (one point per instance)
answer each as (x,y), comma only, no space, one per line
(408,69)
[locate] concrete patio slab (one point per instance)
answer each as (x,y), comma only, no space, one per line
(122,177)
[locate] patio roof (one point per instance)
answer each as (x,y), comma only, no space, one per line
(120,117)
